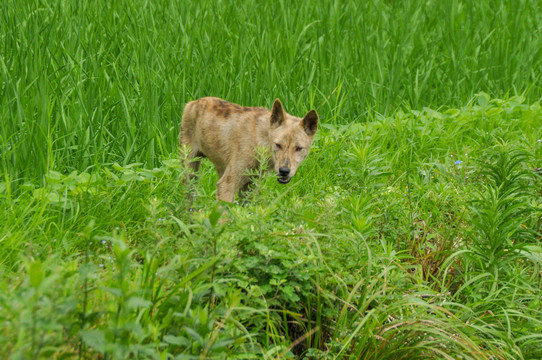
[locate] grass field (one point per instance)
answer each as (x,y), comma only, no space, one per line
(412,230)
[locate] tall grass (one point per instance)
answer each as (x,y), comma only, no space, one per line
(85,84)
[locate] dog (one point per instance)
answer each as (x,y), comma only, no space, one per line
(229,134)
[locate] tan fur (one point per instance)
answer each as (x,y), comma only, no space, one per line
(228,134)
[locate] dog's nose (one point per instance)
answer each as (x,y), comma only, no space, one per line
(284,171)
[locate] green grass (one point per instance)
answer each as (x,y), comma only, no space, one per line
(412,231)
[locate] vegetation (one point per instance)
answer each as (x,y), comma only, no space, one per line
(412,231)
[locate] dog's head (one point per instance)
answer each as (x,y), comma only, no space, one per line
(291,138)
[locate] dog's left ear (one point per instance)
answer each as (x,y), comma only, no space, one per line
(310,123)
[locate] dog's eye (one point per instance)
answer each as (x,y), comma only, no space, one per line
(278,146)
(299,148)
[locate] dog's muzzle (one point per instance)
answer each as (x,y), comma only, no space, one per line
(284,180)
(283,175)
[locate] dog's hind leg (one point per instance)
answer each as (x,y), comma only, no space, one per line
(193,162)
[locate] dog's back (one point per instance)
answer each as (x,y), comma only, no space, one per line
(220,130)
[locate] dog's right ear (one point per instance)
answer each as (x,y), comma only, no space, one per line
(277,114)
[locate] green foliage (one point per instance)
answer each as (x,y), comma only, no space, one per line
(503,215)
(411,236)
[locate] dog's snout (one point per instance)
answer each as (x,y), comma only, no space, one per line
(284,171)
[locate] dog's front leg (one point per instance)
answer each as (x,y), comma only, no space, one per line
(244,188)
(227,186)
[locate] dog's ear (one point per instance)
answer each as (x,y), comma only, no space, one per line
(277,114)
(310,123)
